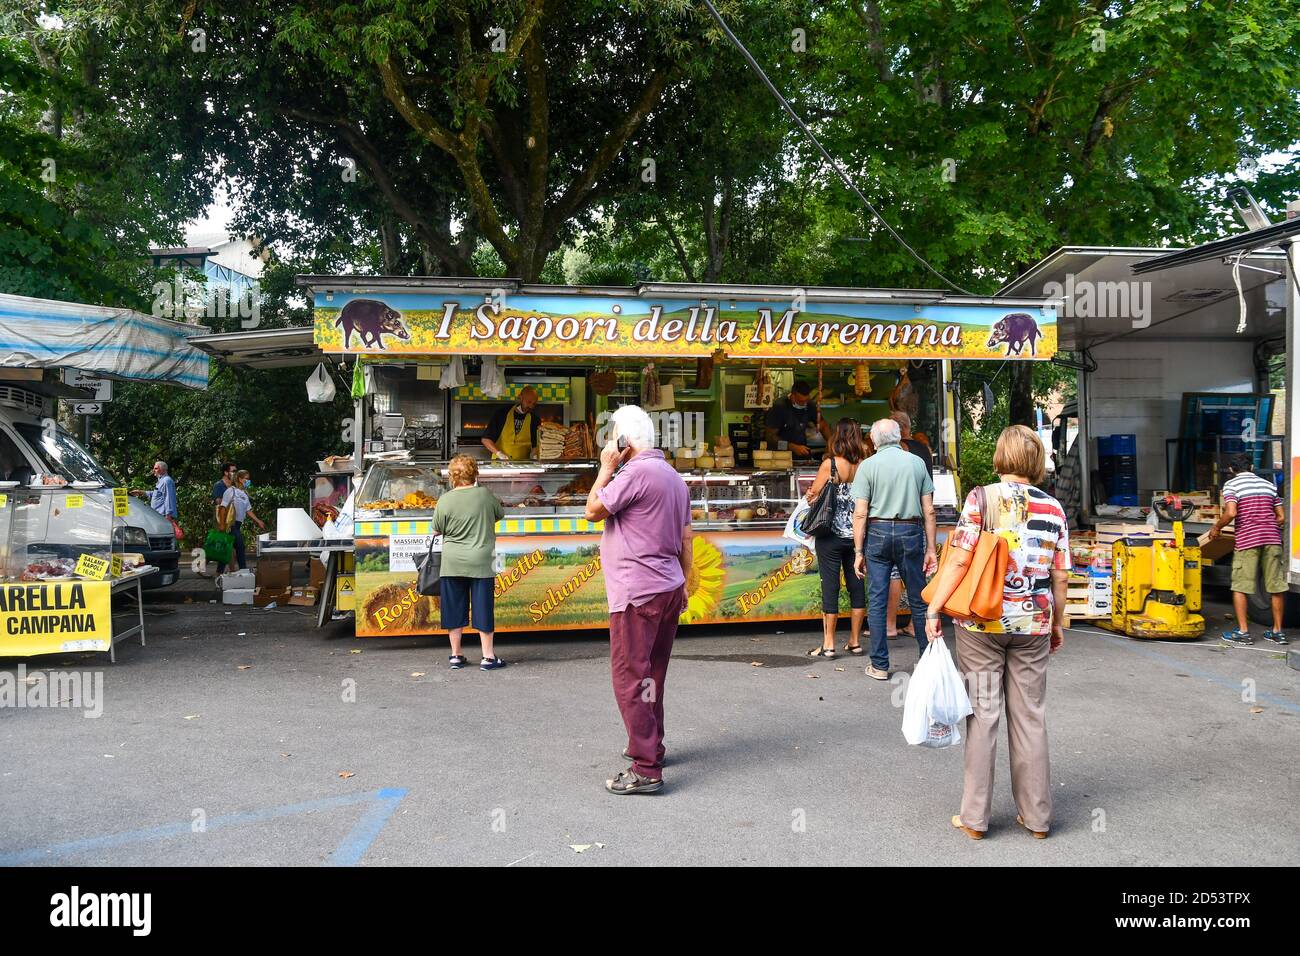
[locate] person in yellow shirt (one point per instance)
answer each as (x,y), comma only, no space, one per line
(512,432)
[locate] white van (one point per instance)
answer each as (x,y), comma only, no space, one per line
(28,449)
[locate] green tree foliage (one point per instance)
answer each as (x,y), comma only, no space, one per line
(47,249)
(511,138)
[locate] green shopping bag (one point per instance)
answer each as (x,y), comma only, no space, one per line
(219,546)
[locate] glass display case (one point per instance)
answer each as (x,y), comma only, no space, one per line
(54,530)
(537,488)
(758,499)
(413,487)
(401,487)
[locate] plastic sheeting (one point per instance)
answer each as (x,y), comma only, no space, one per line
(119,343)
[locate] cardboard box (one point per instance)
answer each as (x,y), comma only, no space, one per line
(317,574)
(236,581)
(1220,547)
(304,597)
(274,573)
(237,596)
(263,596)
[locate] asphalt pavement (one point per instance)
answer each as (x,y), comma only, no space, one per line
(245,736)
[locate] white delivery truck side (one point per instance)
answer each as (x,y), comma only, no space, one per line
(31,444)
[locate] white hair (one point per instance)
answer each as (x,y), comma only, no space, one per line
(885,432)
(631,422)
(162,465)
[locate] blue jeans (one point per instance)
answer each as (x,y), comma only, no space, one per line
(892,545)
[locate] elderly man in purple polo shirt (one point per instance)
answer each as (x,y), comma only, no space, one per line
(645,552)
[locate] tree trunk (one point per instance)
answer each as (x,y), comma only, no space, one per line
(1021,398)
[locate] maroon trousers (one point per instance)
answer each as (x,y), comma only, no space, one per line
(640,643)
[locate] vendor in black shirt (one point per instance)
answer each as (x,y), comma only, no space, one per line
(789,420)
(512,432)
(917,448)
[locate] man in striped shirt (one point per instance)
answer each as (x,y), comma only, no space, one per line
(1253,504)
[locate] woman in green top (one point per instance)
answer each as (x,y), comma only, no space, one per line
(466,517)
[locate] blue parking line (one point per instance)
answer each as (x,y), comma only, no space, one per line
(1196,671)
(356,842)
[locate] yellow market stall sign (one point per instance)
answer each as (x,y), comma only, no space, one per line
(55,617)
(89,566)
(74,501)
(119,502)
(403,323)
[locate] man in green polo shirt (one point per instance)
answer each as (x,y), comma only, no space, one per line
(893,527)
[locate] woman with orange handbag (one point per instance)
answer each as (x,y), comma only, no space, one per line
(1006,657)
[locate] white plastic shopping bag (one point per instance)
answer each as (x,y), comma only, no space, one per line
(936,700)
(491,380)
(794,532)
(453,376)
(320,387)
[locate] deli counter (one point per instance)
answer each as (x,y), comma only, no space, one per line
(548,571)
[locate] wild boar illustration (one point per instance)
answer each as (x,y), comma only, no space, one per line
(371,319)
(1016,330)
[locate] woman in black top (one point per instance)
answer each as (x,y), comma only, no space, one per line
(835,550)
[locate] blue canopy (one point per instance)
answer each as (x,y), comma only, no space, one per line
(116,343)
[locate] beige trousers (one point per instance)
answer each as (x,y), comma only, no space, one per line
(1011,667)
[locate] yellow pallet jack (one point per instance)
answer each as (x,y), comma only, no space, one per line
(1157,582)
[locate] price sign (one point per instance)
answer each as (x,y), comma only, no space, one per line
(89,566)
(119,502)
(4,500)
(74,501)
(115,566)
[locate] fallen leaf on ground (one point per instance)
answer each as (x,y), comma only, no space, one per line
(1257,710)
(192,716)
(354,652)
(417,674)
(346,773)
(755,663)
(839,669)
(812,676)
(244,667)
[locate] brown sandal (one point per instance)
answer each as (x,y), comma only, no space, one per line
(826,652)
(973,834)
(1038,834)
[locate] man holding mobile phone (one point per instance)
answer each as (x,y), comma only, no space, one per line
(645,553)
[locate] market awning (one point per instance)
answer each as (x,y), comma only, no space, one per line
(262,348)
(1103,299)
(117,343)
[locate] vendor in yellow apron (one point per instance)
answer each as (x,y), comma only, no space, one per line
(513,436)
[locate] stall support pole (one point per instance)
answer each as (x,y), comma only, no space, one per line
(358,439)
(1085,451)
(327,595)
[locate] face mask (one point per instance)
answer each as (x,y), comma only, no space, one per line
(799,406)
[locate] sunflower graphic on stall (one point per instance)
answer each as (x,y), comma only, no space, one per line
(704,582)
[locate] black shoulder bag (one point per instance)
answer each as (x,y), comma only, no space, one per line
(429,581)
(819,520)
